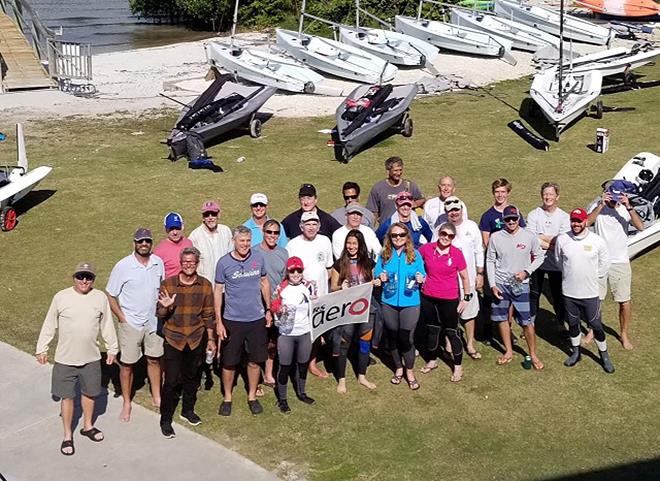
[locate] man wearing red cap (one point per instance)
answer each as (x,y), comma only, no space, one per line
(419,228)
(213,240)
(584,260)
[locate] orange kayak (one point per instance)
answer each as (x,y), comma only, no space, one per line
(622,8)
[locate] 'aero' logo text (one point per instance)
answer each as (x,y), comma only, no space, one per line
(353,308)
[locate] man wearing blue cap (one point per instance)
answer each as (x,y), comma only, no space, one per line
(169,249)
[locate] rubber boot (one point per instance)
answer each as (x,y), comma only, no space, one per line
(608,367)
(574,358)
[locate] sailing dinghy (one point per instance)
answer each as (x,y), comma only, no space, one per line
(615,60)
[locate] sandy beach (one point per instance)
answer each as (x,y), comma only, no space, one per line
(128,83)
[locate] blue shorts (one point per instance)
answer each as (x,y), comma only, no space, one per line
(521,307)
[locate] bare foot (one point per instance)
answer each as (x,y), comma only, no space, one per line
(315,371)
(155,403)
(125,414)
(536,362)
(341,386)
(457,375)
(362,380)
(588,338)
(625,342)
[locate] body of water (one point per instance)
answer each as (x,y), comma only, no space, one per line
(108,25)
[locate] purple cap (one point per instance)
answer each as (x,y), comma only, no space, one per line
(142,233)
(511,211)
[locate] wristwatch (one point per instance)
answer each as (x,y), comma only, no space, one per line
(468,297)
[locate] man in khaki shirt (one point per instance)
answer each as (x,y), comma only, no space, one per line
(77,314)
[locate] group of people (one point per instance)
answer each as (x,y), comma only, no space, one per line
(243,297)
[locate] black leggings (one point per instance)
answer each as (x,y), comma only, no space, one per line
(346,338)
(536,289)
(589,311)
(441,316)
(400,323)
(293,349)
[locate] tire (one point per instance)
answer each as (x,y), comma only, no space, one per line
(255,128)
(407,126)
(8,219)
(599,110)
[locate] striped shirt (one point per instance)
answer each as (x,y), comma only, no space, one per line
(185,321)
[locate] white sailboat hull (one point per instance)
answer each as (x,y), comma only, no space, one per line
(451,37)
(395,47)
(263,68)
(21,184)
(613,61)
(548,21)
(335,58)
(578,92)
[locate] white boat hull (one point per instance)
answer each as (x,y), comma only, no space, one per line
(20,184)
(578,92)
(613,61)
(450,37)
(395,47)
(548,21)
(263,68)
(335,58)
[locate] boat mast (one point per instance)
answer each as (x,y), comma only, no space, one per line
(357,13)
(233,25)
(560,101)
(302,18)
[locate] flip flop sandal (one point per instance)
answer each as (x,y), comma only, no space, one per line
(67,444)
(538,365)
(396,380)
(427,369)
(413,384)
(501,361)
(92,434)
(455,378)
(260,392)
(269,384)
(476,355)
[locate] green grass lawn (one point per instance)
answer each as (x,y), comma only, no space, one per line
(500,422)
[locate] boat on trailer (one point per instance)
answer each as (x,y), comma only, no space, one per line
(549,20)
(615,60)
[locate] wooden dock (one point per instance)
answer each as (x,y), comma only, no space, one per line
(23,68)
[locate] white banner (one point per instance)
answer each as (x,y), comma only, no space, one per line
(348,306)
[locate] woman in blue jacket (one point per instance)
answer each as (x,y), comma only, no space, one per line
(401,270)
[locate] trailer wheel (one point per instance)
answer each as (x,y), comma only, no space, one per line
(255,128)
(407,126)
(8,219)
(599,109)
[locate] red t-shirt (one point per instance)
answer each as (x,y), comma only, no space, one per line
(442,271)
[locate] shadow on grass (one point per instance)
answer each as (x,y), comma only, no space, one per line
(239,131)
(33,199)
(639,471)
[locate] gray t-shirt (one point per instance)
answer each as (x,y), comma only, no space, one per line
(540,221)
(509,254)
(275,260)
(242,281)
(382,195)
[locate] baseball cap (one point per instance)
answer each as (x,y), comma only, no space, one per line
(294,263)
(210,206)
(173,220)
(403,198)
(258,198)
(453,203)
(307,190)
(350,208)
(579,214)
(307,216)
(142,233)
(511,211)
(85,267)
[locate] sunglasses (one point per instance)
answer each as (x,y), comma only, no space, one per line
(448,235)
(400,235)
(578,221)
(84,276)
(144,241)
(209,214)
(509,220)
(350,197)
(259,204)
(271,232)
(296,270)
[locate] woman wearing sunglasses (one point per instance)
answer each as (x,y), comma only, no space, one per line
(354,267)
(440,296)
(401,270)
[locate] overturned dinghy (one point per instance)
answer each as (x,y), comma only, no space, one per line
(222,107)
(549,20)
(369,111)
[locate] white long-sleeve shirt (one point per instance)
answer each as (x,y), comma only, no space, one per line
(339,237)
(583,261)
(468,240)
(212,246)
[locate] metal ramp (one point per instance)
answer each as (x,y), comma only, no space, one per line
(20,68)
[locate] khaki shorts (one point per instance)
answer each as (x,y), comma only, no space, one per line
(131,341)
(619,278)
(65,379)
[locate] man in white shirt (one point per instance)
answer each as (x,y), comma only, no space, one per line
(212,240)
(354,215)
(611,218)
(584,261)
(434,208)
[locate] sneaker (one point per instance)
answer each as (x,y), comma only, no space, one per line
(255,407)
(192,418)
(167,430)
(225,408)
(283,406)
(306,399)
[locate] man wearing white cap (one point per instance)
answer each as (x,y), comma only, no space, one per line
(212,239)
(78,314)
(169,249)
(259,209)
